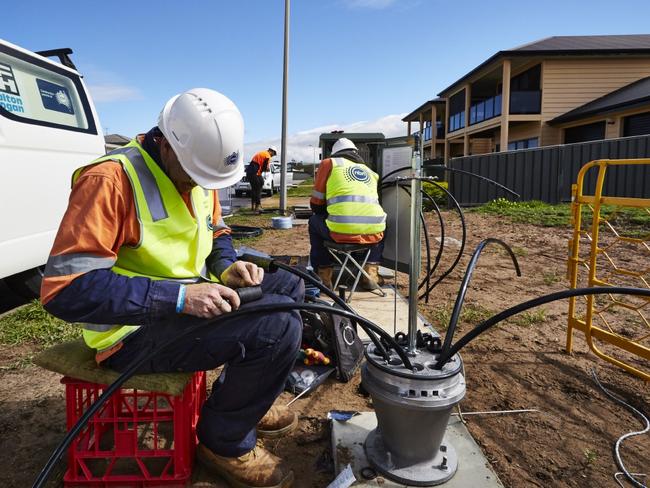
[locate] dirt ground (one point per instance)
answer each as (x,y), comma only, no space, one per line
(517,365)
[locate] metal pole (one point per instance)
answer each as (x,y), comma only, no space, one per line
(285,80)
(414,264)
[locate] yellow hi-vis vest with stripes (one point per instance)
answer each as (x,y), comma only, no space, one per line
(173,244)
(352,200)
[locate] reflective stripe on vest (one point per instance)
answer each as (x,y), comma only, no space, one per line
(352,200)
(173,243)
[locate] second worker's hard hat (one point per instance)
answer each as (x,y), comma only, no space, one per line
(206,131)
(342,144)
(274,149)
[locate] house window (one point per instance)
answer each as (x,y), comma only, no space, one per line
(457,111)
(636,125)
(523,144)
(584,133)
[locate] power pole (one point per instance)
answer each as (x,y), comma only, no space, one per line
(285,80)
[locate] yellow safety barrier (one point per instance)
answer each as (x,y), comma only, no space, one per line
(611,257)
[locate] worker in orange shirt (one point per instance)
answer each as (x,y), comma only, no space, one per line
(346,210)
(142,253)
(259,164)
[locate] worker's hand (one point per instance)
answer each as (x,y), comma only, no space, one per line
(207,300)
(242,273)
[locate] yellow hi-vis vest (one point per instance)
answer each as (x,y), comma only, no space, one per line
(352,200)
(173,244)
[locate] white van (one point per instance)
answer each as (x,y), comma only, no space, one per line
(48,128)
(271,181)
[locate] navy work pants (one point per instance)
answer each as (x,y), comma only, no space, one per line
(319,233)
(258,352)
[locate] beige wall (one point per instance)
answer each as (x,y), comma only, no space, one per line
(480,145)
(524,130)
(569,83)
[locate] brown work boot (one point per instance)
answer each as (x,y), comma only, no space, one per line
(325,275)
(255,469)
(373,272)
(278,421)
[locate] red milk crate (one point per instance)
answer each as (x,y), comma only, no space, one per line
(137,439)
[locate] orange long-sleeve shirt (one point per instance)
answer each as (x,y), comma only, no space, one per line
(101,218)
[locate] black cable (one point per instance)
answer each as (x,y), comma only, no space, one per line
(338,300)
(431,269)
(436,262)
(462,243)
(427,246)
(460,298)
(461,171)
(149,354)
(560,295)
(489,180)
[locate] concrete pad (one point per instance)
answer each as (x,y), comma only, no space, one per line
(381,310)
(347,448)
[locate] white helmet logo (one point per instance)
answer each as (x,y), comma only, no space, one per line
(62,99)
(231,159)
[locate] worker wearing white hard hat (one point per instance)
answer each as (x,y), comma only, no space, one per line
(260,163)
(142,246)
(347,211)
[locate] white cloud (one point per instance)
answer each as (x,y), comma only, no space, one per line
(113,93)
(373,4)
(300,145)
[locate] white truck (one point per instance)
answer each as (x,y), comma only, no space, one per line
(271,181)
(48,128)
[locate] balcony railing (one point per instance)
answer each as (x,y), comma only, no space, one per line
(485,110)
(525,102)
(427,133)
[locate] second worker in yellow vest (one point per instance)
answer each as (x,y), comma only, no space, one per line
(346,210)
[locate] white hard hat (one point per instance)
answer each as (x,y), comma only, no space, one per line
(341,144)
(206,131)
(274,149)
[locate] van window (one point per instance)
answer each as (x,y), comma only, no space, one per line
(35,92)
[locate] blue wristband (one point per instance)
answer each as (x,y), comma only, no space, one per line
(180,302)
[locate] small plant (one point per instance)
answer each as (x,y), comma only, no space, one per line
(550,277)
(435,192)
(590,456)
(527,319)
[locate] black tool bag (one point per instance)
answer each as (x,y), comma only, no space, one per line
(337,338)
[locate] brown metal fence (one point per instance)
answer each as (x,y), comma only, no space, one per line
(547,173)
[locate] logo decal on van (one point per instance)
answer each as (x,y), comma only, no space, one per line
(7,80)
(55,97)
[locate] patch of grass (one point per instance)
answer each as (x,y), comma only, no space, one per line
(590,456)
(304,189)
(31,324)
(631,222)
(470,313)
(528,319)
(550,277)
(533,212)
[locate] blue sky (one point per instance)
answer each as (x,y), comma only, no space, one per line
(354,64)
